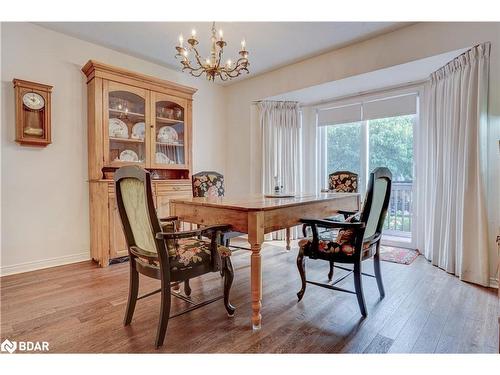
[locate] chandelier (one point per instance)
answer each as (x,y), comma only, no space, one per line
(211,66)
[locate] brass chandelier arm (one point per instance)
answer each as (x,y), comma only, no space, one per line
(196,74)
(197,56)
(193,70)
(239,67)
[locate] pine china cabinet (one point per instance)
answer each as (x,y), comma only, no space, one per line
(139,120)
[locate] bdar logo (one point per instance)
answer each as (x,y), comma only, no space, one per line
(24,346)
(8,346)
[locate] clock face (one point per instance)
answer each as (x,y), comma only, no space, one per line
(32,100)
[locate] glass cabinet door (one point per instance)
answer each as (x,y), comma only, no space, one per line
(126,131)
(169,132)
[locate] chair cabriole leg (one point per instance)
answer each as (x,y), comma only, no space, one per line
(187,288)
(228,281)
(302,272)
(330,274)
(358,286)
(132,293)
(164,314)
(378,273)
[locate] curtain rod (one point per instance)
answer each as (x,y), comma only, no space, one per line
(365,93)
(488,44)
(360,93)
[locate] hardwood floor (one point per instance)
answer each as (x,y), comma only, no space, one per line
(80,308)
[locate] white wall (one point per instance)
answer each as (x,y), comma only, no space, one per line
(45,191)
(398,47)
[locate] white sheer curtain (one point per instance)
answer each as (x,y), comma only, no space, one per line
(451,212)
(281,149)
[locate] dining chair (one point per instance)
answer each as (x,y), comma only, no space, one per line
(358,239)
(211,185)
(339,182)
(157,250)
(343,182)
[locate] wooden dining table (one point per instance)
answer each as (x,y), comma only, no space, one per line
(257,215)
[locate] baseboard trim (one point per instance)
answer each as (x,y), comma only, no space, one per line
(45,263)
(493,282)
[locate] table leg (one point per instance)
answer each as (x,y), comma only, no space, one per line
(256,238)
(288,235)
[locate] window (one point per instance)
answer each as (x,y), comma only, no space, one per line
(391,145)
(375,139)
(343,144)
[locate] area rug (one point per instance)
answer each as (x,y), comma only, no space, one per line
(398,254)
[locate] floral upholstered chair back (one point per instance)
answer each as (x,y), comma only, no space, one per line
(208,184)
(343,182)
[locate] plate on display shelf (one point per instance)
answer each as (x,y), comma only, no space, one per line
(117,128)
(138,131)
(161,158)
(167,134)
(129,155)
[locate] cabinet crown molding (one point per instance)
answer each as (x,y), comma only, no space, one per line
(95,68)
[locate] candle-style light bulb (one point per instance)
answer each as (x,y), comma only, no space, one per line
(243,44)
(193,33)
(228,63)
(207,61)
(221,34)
(181,40)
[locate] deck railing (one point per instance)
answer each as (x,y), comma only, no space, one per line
(399,215)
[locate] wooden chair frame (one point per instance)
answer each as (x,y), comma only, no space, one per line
(345,214)
(142,262)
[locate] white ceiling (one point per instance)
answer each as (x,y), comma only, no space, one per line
(271,44)
(414,71)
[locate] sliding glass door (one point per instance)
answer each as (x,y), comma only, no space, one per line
(391,145)
(365,145)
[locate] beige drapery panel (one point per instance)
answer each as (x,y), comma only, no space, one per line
(451,206)
(281,148)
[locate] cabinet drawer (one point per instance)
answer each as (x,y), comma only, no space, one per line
(162,189)
(169,188)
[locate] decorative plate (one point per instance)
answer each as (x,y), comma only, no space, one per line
(167,134)
(161,158)
(117,128)
(128,155)
(138,131)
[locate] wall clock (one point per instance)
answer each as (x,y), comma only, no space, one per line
(32,113)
